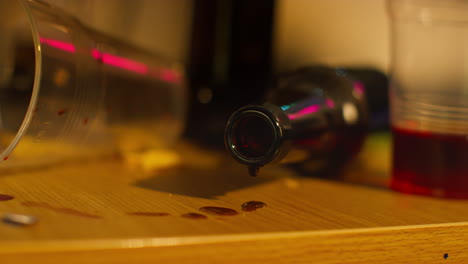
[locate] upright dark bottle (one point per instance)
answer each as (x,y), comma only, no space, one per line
(315,114)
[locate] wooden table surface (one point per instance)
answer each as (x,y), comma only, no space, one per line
(106,212)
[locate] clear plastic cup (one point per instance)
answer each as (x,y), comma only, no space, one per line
(429,97)
(68,92)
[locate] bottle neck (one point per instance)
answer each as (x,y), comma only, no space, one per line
(315,113)
(259,135)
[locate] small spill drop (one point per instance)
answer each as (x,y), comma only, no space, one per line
(194,216)
(61,112)
(218,210)
(5,158)
(148,213)
(6,197)
(85,121)
(60,209)
(253,171)
(252,206)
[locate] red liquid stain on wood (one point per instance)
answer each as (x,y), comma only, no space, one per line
(148,213)
(6,197)
(252,206)
(35,110)
(218,210)
(63,210)
(61,112)
(194,216)
(5,158)
(85,121)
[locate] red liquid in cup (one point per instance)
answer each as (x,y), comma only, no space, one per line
(430,163)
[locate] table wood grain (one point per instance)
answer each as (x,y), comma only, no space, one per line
(106,212)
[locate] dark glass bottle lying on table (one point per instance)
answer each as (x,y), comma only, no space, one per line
(315,114)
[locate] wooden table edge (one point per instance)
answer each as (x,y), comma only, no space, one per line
(428,242)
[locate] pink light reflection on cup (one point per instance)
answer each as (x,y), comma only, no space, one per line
(68,47)
(166,75)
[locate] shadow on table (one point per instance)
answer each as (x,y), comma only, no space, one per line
(203,182)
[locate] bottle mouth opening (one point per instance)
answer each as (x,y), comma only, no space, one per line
(252,137)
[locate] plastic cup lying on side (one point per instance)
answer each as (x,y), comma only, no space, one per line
(69,92)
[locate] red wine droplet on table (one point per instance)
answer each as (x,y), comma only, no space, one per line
(148,213)
(218,210)
(6,197)
(62,210)
(61,112)
(252,206)
(194,216)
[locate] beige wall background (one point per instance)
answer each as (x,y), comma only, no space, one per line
(335,32)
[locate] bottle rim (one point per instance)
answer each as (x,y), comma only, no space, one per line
(269,121)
